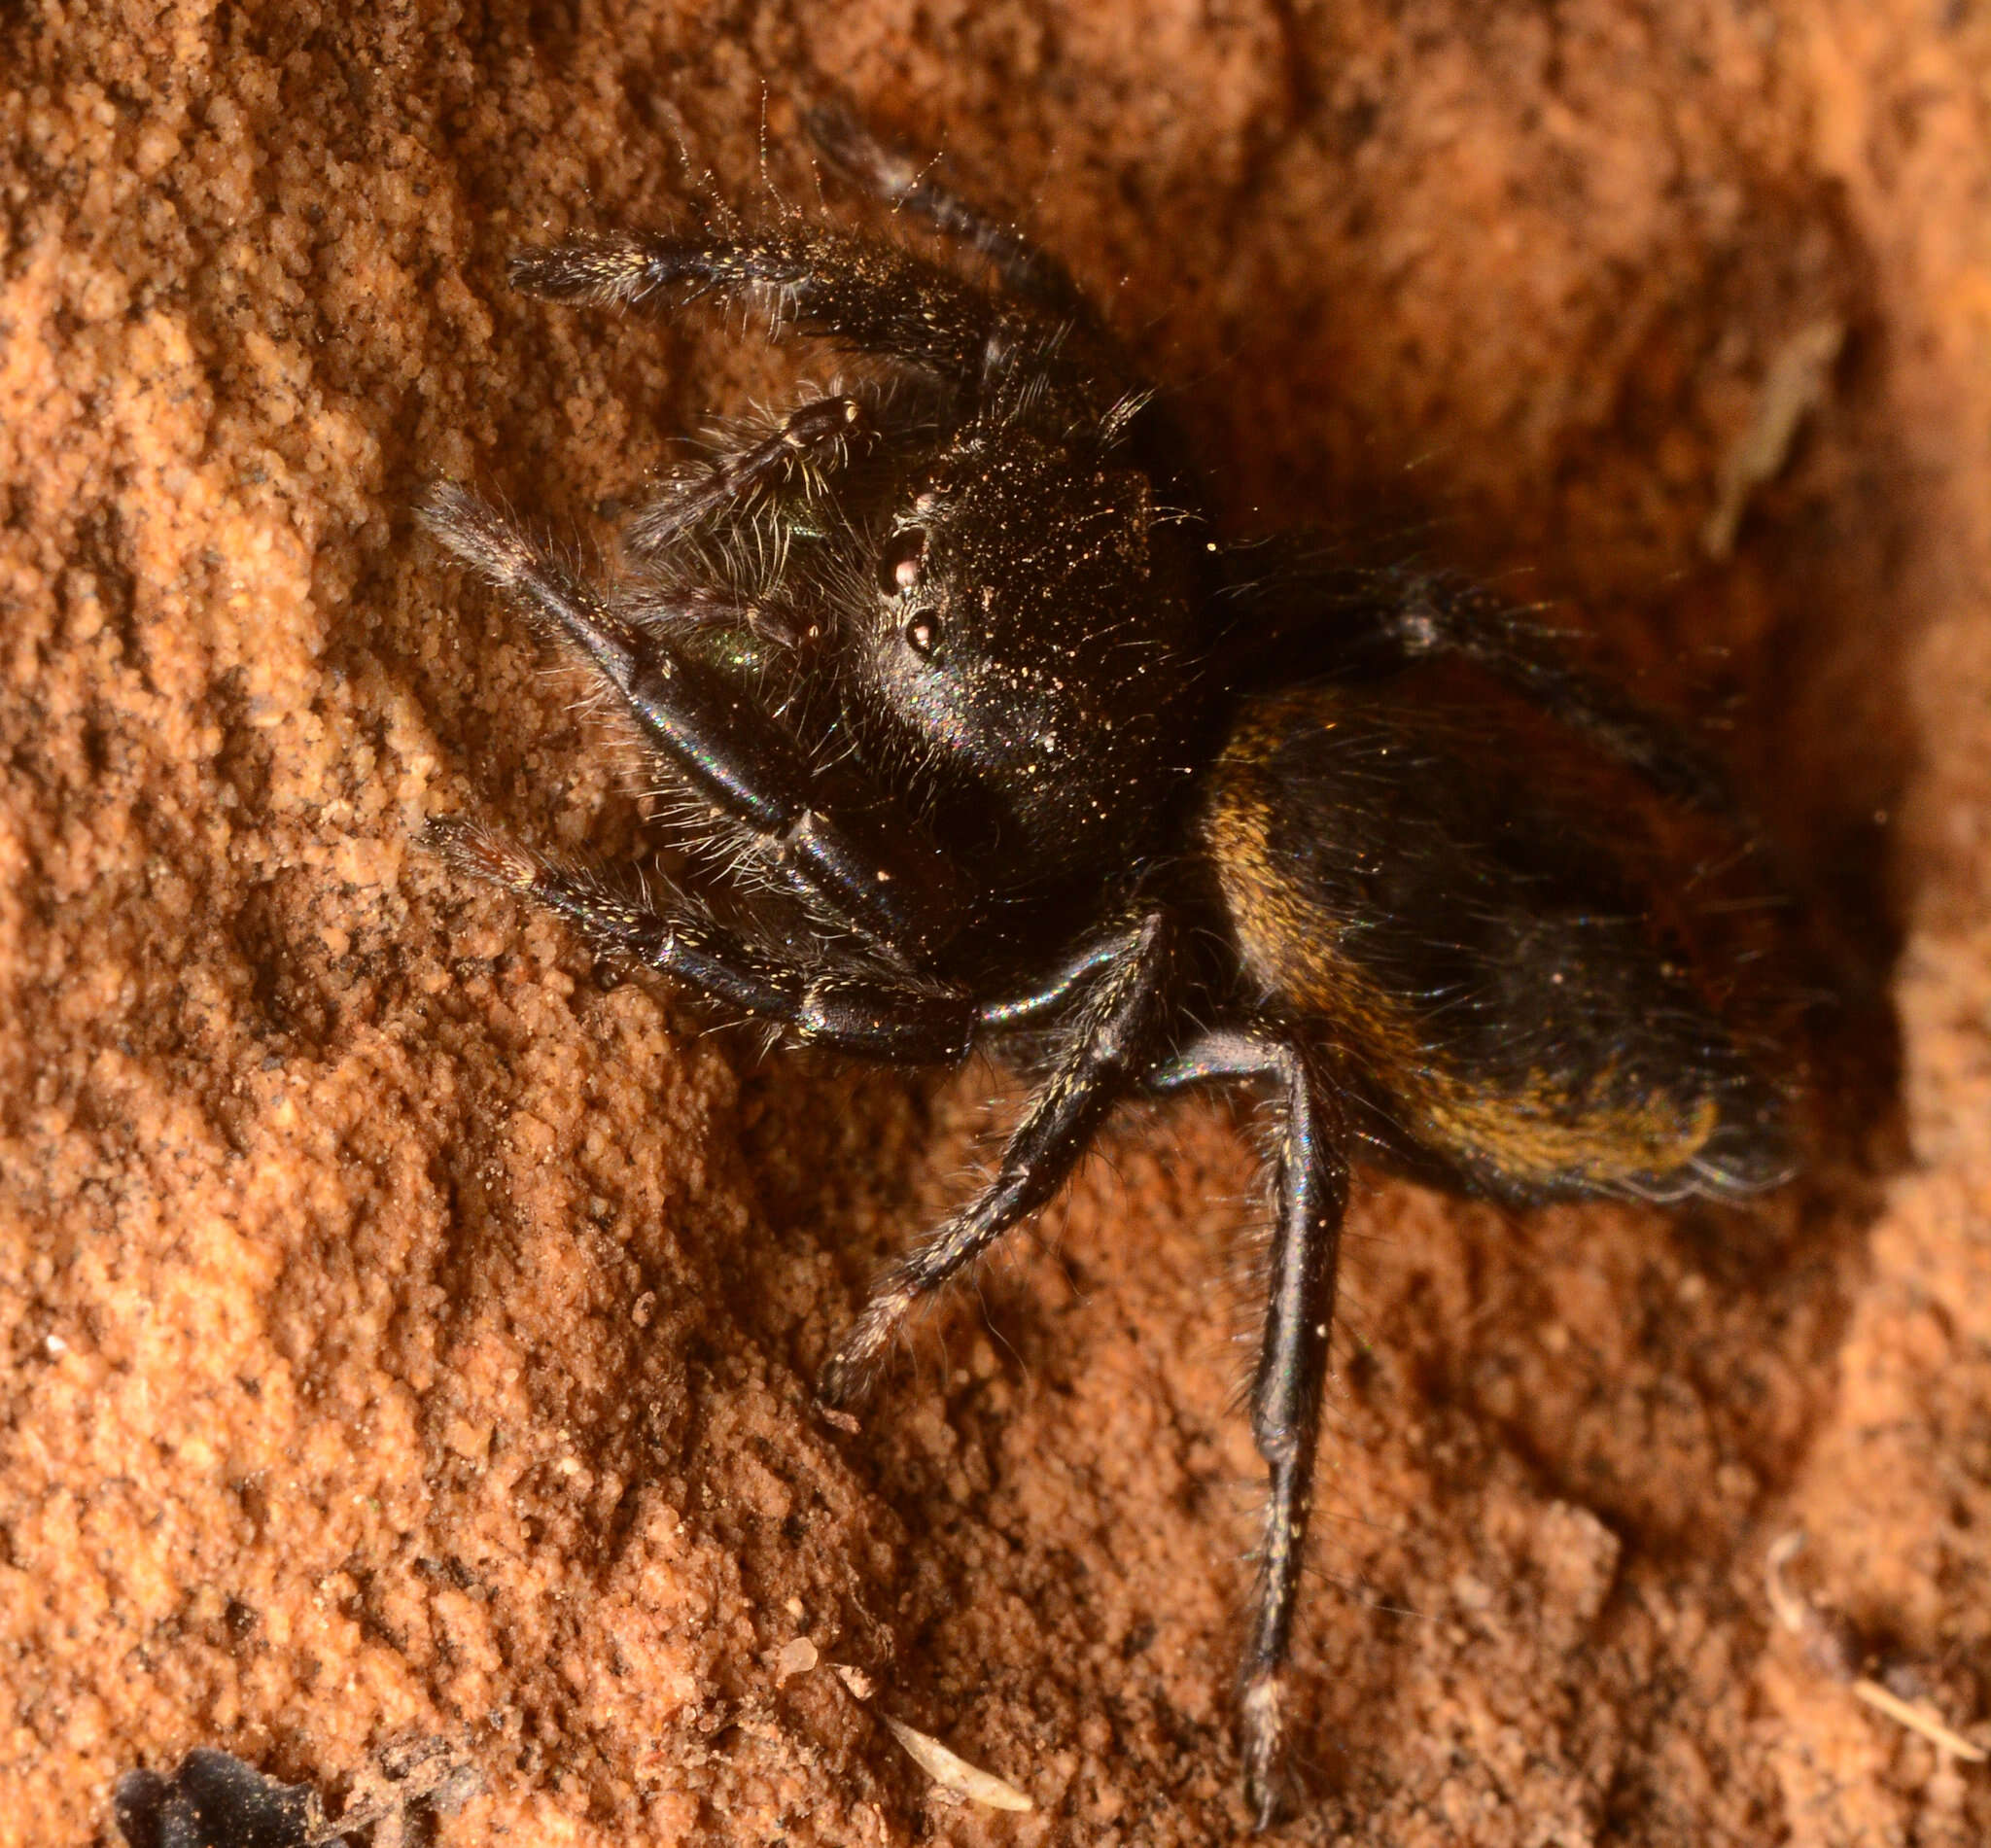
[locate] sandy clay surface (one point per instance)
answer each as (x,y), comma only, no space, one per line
(406,1334)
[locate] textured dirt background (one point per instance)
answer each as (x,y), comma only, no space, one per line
(405,1335)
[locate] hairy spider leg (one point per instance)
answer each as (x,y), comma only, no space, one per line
(821,427)
(1118,1034)
(836,1003)
(1073,351)
(1125,410)
(1291,1381)
(1432,613)
(861,867)
(890,175)
(866,295)
(1350,617)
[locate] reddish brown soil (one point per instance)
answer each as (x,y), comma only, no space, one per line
(406,1337)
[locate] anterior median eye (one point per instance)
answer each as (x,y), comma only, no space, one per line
(923,633)
(898,570)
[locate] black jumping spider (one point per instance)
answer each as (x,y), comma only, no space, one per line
(1005,748)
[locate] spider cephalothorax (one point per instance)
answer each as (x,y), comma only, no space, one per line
(1031,671)
(1016,755)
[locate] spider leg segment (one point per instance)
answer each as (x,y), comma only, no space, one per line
(890,175)
(1117,1036)
(1306,615)
(858,866)
(847,1006)
(1044,998)
(823,427)
(1429,613)
(1291,1375)
(1034,277)
(867,296)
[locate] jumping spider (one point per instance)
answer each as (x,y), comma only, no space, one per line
(1005,748)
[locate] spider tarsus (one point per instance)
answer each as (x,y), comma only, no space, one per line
(856,153)
(477,533)
(599,269)
(477,850)
(1269,1792)
(846,1377)
(890,175)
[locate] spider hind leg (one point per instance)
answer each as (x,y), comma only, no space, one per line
(1291,1381)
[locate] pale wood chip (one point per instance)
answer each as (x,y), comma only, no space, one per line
(1917,1718)
(954,1773)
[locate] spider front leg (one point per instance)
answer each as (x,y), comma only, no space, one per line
(1121,1024)
(871,298)
(837,1002)
(890,175)
(1290,1381)
(863,866)
(820,430)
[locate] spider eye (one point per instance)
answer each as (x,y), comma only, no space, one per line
(922,634)
(898,570)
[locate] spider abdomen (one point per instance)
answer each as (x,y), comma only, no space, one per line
(1492,972)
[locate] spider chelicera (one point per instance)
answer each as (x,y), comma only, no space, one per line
(1003,747)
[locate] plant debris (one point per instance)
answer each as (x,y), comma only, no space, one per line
(1830,1643)
(954,1773)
